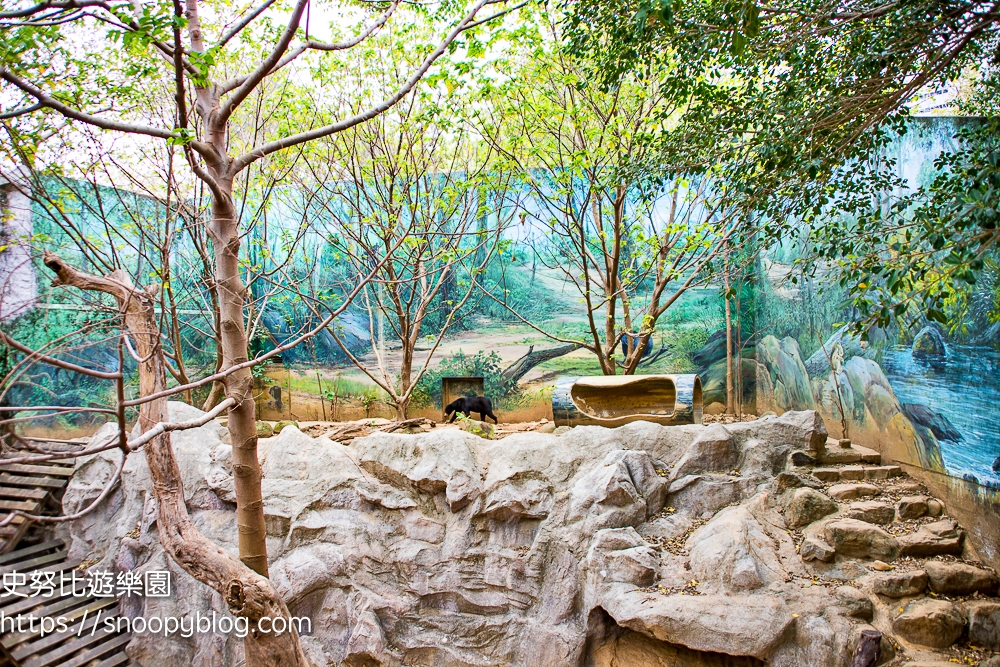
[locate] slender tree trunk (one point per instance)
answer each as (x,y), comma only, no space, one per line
(319,380)
(196,232)
(405,373)
(239,385)
(730,386)
(336,398)
(178,342)
(247,594)
(739,349)
(218,390)
(169,302)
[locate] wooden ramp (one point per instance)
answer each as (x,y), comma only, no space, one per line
(35,489)
(84,642)
(38,489)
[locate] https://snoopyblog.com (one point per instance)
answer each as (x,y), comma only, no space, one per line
(97,584)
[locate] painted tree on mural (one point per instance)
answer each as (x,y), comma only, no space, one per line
(151,227)
(91,63)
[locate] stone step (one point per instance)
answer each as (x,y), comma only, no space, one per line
(856,473)
(835,454)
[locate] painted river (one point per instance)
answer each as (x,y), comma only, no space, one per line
(965,388)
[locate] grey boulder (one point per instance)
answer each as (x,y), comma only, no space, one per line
(933,539)
(714,450)
(900,584)
(734,550)
(860,539)
(735,625)
(870,511)
(911,507)
(984,625)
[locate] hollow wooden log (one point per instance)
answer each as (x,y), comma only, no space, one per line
(619,399)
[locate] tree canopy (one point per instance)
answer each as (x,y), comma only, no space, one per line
(795,101)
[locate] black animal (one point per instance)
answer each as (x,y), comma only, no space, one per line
(469,404)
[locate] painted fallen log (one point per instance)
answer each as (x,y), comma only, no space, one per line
(522,366)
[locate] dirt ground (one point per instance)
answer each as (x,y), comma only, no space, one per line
(311,407)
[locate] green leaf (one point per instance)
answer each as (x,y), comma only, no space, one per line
(751,20)
(737,43)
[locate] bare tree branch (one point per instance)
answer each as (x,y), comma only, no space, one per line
(319,46)
(97,121)
(238,27)
(220,117)
(20,111)
(318,133)
(45,6)
(58,362)
(168,427)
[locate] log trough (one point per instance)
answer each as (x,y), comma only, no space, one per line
(619,399)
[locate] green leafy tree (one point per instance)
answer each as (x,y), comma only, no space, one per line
(409,198)
(597,197)
(795,103)
(908,256)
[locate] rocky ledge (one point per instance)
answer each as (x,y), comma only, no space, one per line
(641,545)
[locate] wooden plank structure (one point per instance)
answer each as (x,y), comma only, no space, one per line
(83,643)
(35,489)
(38,489)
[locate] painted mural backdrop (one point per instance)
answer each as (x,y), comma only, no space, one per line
(926,394)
